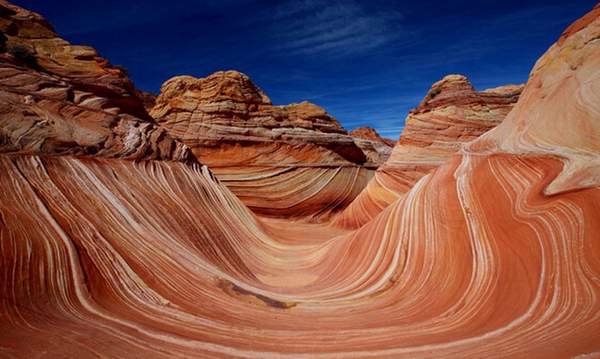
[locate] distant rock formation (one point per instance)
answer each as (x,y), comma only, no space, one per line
(369,133)
(58,98)
(376,148)
(451,114)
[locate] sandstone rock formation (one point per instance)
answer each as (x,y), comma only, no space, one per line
(495,253)
(370,134)
(293,160)
(451,114)
(58,98)
(226,107)
(376,148)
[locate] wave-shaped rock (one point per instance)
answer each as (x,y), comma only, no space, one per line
(451,114)
(494,253)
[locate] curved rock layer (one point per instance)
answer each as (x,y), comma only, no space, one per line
(285,161)
(171,264)
(452,113)
(284,180)
(58,98)
(493,254)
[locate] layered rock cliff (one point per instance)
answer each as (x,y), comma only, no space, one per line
(58,98)
(228,108)
(451,114)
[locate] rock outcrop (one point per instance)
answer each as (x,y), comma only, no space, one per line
(293,160)
(493,254)
(58,98)
(227,107)
(370,134)
(376,148)
(148,99)
(451,114)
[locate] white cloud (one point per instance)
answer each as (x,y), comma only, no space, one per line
(318,26)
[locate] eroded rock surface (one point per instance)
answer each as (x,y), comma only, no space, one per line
(58,98)
(451,114)
(294,160)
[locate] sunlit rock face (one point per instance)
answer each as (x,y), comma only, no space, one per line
(564,84)
(451,114)
(58,98)
(494,253)
(376,148)
(285,161)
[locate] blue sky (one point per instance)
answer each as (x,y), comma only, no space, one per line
(366,62)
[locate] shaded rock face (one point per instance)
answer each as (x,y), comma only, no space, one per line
(148,99)
(451,114)
(294,160)
(58,98)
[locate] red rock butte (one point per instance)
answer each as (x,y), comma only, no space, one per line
(220,225)
(293,161)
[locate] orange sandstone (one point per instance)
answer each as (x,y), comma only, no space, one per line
(494,253)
